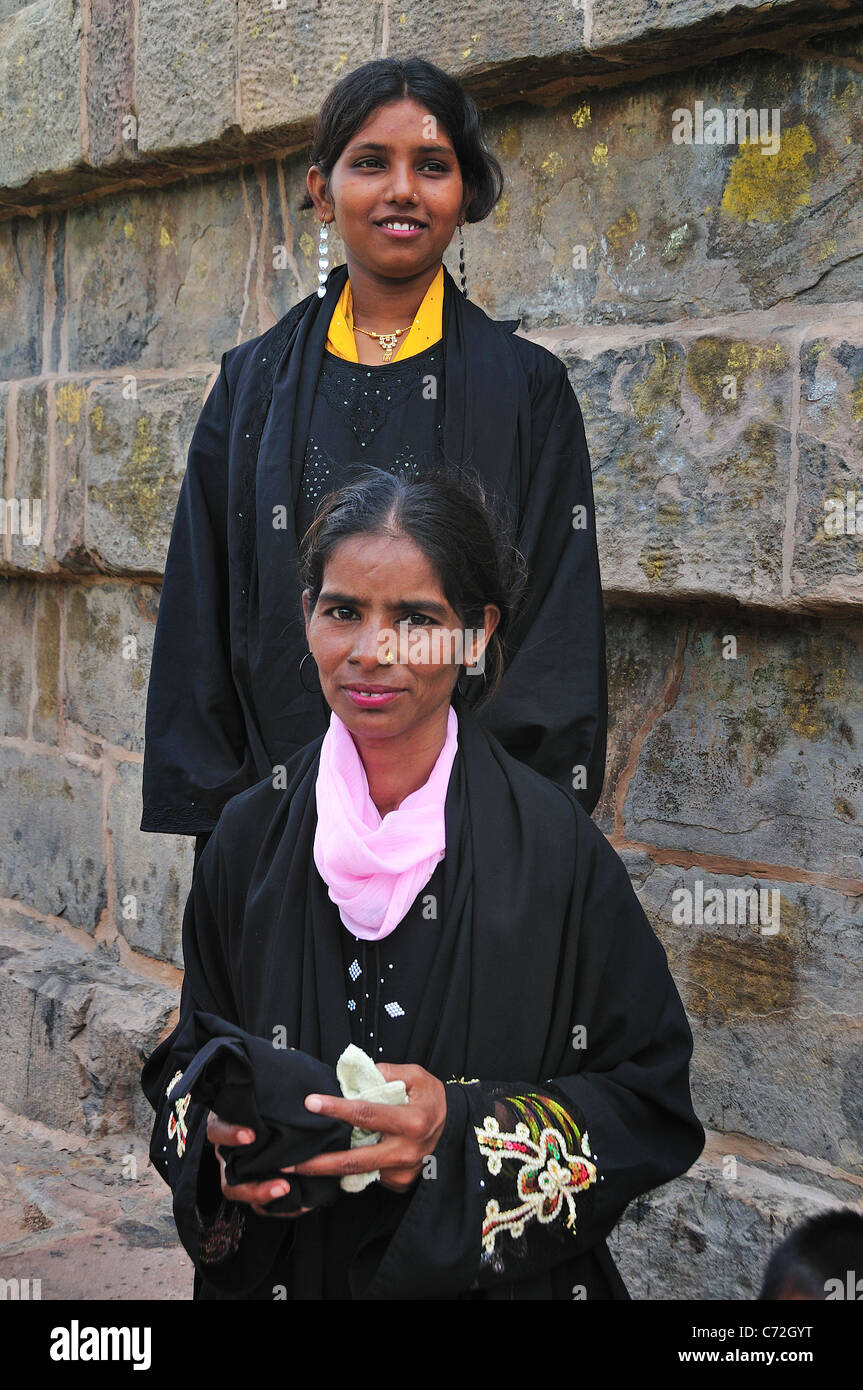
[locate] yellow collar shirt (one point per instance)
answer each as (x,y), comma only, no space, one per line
(427,327)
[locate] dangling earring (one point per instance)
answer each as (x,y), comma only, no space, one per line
(310,688)
(461,261)
(323,259)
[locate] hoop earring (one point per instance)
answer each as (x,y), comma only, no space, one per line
(462,275)
(311,689)
(464,674)
(323,258)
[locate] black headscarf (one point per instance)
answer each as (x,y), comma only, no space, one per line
(226,703)
(539,934)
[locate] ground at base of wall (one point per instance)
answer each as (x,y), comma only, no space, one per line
(84,1219)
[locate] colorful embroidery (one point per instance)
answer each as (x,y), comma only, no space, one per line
(547,1181)
(220,1238)
(177,1122)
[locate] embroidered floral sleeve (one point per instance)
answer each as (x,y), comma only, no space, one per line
(538,1176)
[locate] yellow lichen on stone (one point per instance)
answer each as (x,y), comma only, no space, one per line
(143,449)
(659,390)
(626,226)
(803,703)
(130,231)
(669,513)
(500,214)
(7,278)
(855,401)
(848,98)
(47,660)
(770,188)
(826,248)
(711,360)
(552,164)
(143,493)
(509,140)
(69,402)
(581,115)
(165,238)
(599,158)
(97,416)
(759,460)
(659,562)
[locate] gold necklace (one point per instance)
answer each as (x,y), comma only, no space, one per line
(387,341)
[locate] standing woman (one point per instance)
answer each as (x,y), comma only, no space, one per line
(387,364)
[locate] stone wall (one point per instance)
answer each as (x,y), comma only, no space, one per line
(706,298)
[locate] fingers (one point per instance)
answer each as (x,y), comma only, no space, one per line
(255,1192)
(280,1215)
(410,1075)
(388,1153)
(221,1132)
(385,1119)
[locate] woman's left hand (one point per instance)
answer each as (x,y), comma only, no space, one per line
(409,1133)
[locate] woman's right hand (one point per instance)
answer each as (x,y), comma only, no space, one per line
(219,1132)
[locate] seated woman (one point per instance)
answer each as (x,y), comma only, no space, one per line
(406,885)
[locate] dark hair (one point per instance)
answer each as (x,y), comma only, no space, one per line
(825,1247)
(462,529)
(351,101)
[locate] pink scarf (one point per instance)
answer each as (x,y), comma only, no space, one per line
(375,867)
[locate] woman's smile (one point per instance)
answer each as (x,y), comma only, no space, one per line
(401,230)
(372,696)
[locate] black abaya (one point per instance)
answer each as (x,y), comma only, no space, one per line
(527,978)
(226,703)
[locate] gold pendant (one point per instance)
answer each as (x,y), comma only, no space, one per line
(388,342)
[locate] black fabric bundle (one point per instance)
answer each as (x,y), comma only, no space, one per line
(246,1080)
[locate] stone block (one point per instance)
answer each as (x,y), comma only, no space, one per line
(51,846)
(22,279)
(79,1027)
(684,441)
(109,646)
(152,873)
(156,277)
(46,664)
(185,75)
(26,518)
(40,82)
(17,616)
(709,1235)
(758,759)
(138,453)
(68,400)
(640,651)
(774,1013)
(110,92)
(605,219)
(828,550)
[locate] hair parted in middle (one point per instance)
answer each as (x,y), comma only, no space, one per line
(348,105)
(465,532)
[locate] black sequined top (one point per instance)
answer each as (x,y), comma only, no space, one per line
(389,416)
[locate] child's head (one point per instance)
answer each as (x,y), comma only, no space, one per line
(816,1259)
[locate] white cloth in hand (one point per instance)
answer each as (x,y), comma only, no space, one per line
(360,1079)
